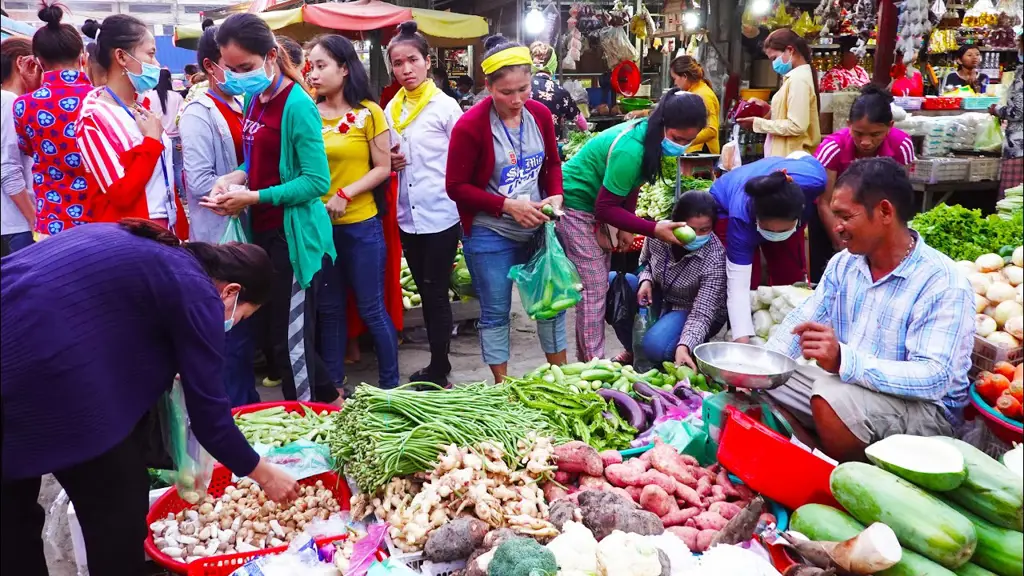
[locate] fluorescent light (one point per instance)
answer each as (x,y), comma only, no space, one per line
(534,21)
(760,7)
(691,20)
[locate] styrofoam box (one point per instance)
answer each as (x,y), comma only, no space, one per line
(78,541)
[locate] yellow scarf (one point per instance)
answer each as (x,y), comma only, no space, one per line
(418,99)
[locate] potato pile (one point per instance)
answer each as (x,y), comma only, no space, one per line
(242,520)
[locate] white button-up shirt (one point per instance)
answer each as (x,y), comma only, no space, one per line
(423,203)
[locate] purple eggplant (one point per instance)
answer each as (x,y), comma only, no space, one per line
(626,406)
(659,410)
(667,399)
(644,390)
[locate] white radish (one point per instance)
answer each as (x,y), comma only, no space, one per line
(873,550)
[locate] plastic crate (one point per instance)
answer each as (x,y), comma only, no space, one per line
(979,102)
(982,169)
(908,102)
(941,103)
(986,355)
(935,170)
(171,503)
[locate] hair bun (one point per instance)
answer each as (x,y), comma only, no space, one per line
(207,22)
(408,28)
(90,28)
(494,41)
(765,185)
(51,14)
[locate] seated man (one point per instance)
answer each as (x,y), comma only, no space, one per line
(891,325)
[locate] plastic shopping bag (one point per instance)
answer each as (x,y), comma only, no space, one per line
(990,138)
(461,281)
(193,465)
(235,232)
(620,304)
(549,283)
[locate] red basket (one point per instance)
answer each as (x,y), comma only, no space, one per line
(941,103)
(1007,430)
(225,565)
(765,461)
(317,407)
(171,503)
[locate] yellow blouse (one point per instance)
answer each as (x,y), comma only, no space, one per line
(709,135)
(347,141)
(794,123)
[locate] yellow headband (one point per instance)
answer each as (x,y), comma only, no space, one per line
(515,56)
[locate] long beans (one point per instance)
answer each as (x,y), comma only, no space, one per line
(381,434)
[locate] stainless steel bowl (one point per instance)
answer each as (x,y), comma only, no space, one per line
(743,365)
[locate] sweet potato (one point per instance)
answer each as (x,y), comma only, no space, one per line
(725,509)
(578,457)
(554,492)
(703,487)
(687,494)
(689,460)
(665,459)
(634,493)
(609,457)
(727,486)
(686,534)
(704,539)
(593,482)
(710,521)
(679,517)
(654,477)
(623,475)
(714,468)
(744,492)
(564,478)
(455,540)
(655,499)
(717,495)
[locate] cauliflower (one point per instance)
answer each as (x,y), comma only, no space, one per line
(575,550)
(622,554)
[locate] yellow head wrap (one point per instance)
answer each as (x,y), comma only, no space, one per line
(515,56)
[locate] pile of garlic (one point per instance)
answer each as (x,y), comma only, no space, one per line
(243,520)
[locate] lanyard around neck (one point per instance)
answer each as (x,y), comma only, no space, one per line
(248,139)
(217,98)
(516,157)
(163,166)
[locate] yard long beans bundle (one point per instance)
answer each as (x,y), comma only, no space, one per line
(381,434)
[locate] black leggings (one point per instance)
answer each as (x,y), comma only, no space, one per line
(303,373)
(430,259)
(111,498)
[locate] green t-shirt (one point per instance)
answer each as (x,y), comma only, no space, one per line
(591,168)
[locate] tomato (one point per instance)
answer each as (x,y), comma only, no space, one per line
(1016,390)
(1018,373)
(1009,406)
(1004,369)
(988,389)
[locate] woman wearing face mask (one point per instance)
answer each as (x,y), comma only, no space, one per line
(358,145)
(19,74)
(211,132)
(423,118)
(869,135)
(503,166)
(685,284)
(792,125)
(762,208)
(688,75)
(136,308)
(284,173)
(602,182)
(45,121)
(122,141)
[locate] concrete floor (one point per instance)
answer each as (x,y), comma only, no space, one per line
(467,366)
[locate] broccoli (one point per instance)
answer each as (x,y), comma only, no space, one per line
(522,557)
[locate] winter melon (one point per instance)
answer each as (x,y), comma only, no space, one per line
(927,462)
(922,522)
(971,569)
(820,522)
(1014,460)
(1000,550)
(991,490)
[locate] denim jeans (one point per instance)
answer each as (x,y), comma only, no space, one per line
(11,243)
(489,257)
(662,338)
(239,351)
(359,267)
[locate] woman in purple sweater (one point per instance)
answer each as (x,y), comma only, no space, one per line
(96,323)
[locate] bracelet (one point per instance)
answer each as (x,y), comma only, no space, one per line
(341,194)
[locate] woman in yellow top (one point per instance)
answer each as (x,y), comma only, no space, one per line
(792,125)
(688,75)
(358,143)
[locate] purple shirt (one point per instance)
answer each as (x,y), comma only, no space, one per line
(96,323)
(837,151)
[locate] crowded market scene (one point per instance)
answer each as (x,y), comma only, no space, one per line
(613,288)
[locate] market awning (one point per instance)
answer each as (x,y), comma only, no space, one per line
(359,16)
(448,29)
(289,22)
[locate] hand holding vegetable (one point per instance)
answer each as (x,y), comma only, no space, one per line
(663,231)
(555,201)
(683,357)
(525,212)
(278,485)
(819,342)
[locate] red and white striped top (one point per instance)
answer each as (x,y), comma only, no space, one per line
(106,134)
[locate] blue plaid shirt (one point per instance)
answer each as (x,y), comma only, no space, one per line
(910,334)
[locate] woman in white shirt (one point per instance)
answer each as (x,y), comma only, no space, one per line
(20,74)
(423,117)
(166,102)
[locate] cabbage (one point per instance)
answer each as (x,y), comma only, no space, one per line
(773,330)
(755,302)
(765,294)
(758,341)
(779,309)
(762,323)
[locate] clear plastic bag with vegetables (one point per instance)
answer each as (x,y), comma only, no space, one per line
(549,283)
(193,465)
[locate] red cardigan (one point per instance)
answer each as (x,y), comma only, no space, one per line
(471,161)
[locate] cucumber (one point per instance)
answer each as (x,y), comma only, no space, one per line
(971,569)
(563,304)
(1000,550)
(820,522)
(991,490)
(922,522)
(574,368)
(598,374)
(559,377)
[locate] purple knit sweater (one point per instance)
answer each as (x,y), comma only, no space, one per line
(95,324)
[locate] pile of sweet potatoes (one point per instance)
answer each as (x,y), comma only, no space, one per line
(693,502)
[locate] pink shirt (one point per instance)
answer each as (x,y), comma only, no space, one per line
(837,151)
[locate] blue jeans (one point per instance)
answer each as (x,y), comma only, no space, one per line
(662,338)
(239,350)
(359,266)
(11,243)
(489,257)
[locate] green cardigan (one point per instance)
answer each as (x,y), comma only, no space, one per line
(305,177)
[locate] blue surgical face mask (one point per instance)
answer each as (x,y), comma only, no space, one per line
(776,236)
(145,81)
(697,243)
(781,68)
(231,89)
(250,83)
(230,322)
(670,147)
